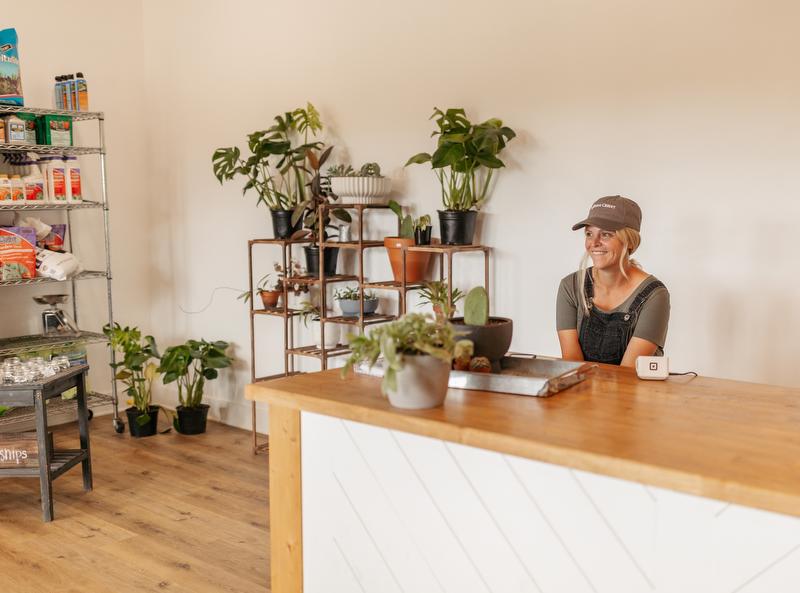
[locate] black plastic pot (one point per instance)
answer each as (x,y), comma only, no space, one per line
(423,236)
(457,226)
(282,224)
(192,420)
(147,429)
(312,260)
(491,340)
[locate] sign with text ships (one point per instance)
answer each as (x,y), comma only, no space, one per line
(18,449)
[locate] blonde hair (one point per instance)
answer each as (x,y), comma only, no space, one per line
(630,239)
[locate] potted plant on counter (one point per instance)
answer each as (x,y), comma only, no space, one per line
(490,335)
(276,167)
(417,356)
(191,365)
(309,311)
(136,371)
(464,162)
(365,186)
(416,261)
(349,300)
(434,293)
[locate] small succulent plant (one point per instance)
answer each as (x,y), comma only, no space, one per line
(366,170)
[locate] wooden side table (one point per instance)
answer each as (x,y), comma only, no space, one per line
(52,463)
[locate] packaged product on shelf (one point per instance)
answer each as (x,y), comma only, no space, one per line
(17,253)
(54,241)
(82,92)
(15,129)
(55,265)
(41,229)
(17,189)
(29,120)
(2,133)
(34,185)
(5,188)
(73,177)
(55,130)
(10,80)
(56,180)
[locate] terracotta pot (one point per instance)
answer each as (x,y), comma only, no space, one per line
(270,298)
(416,262)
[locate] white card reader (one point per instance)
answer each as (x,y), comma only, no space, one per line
(652,368)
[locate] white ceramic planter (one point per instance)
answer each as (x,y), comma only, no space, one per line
(361,190)
(421,384)
(332,334)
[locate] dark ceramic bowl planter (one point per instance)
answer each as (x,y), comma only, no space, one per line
(192,420)
(270,298)
(457,226)
(282,224)
(491,340)
(142,430)
(423,236)
(351,308)
(312,260)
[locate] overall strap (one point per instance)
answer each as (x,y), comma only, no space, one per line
(588,286)
(642,297)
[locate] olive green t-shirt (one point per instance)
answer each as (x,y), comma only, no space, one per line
(653,316)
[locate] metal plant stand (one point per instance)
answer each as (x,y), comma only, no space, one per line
(27,344)
(52,464)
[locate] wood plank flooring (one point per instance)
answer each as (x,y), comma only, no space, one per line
(169,513)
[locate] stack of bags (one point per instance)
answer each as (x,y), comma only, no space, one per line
(33,248)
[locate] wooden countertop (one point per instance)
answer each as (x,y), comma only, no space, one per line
(728,440)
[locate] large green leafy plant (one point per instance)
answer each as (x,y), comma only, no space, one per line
(136,370)
(276,168)
(412,334)
(191,365)
(465,158)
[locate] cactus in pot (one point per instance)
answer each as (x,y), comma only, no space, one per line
(491,335)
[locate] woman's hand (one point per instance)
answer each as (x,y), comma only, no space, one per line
(636,347)
(570,346)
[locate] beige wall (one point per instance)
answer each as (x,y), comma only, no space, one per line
(689,108)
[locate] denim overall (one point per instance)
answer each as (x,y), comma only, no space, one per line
(603,336)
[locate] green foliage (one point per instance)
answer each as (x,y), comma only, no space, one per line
(136,369)
(434,293)
(476,307)
(412,334)
(276,167)
(262,284)
(309,310)
(366,170)
(405,223)
(351,293)
(422,222)
(191,365)
(465,157)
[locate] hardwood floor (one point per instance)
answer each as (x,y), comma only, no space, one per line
(169,513)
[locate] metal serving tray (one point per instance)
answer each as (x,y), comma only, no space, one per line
(520,374)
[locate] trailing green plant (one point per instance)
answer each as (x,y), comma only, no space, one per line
(422,223)
(405,223)
(465,157)
(412,334)
(136,370)
(434,293)
(264,284)
(476,307)
(319,194)
(366,170)
(190,365)
(276,167)
(351,293)
(309,310)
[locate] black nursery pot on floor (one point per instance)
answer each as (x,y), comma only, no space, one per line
(192,420)
(147,429)
(282,224)
(312,260)
(457,226)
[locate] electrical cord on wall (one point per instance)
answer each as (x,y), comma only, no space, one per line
(211,299)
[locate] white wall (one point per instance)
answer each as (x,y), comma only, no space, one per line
(688,108)
(106,45)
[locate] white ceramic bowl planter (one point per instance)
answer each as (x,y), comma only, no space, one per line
(421,383)
(331,334)
(361,190)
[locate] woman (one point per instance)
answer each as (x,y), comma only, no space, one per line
(613,311)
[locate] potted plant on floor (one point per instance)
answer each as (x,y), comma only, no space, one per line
(310,312)
(309,212)
(191,365)
(417,355)
(490,335)
(434,293)
(417,261)
(349,300)
(276,168)
(365,186)
(464,162)
(136,371)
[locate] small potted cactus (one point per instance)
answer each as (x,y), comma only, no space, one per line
(349,300)
(365,186)
(490,335)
